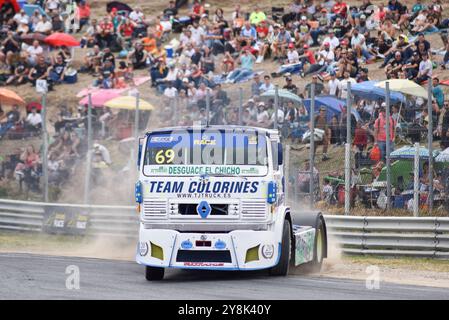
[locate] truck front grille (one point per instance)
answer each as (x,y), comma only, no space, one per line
(190,209)
(154,208)
(254,209)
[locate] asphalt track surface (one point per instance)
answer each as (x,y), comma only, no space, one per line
(25,276)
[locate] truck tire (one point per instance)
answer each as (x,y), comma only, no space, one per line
(319,249)
(281,269)
(154,273)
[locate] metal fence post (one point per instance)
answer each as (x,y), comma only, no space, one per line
(388,143)
(45,146)
(207,107)
(276,106)
(348,113)
(176,111)
(136,117)
(348,150)
(287,173)
(89,151)
(135,150)
(312,143)
(347,179)
(429,144)
(240,105)
(416,182)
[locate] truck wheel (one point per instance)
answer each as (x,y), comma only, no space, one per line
(319,249)
(154,273)
(281,269)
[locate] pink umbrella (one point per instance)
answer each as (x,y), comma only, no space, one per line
(100,97)
(59,39)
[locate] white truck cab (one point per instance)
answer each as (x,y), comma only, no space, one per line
(213,198)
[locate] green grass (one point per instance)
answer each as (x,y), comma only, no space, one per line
(21,241)
(410,263)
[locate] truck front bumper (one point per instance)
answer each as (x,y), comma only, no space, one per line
(235,250)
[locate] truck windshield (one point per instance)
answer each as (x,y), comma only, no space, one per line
(210,152)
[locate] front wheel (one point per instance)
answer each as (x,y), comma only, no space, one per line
(319,249)
(154,273)
(281,269)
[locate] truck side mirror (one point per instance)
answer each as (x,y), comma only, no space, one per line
(280,154)
(139,154)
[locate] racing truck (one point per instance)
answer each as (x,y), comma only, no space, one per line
(213,198)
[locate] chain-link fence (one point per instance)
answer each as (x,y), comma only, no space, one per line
(358,166)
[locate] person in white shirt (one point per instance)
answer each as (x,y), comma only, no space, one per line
(170,91)
(343,87)
(292,54)
(326,56)
(281,117)
(137,15)
(333,85)
(104,152)
(33,121)
(266,85)
(197,33)
(52,5)
(33,52)
(21,17)
(358,43)
(332,40)
(43,26)
(424,69)
(262,115)
(172,73)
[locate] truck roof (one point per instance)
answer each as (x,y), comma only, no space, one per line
(268,132)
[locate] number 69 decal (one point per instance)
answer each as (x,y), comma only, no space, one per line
(165,156)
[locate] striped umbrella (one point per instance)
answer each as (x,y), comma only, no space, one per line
(283,94)
(408,152)
(443,156)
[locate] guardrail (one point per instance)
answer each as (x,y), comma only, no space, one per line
(391,236)
(386,236)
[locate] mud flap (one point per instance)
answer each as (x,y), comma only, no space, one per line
(304,238)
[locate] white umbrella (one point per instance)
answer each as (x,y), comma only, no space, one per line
(443,156)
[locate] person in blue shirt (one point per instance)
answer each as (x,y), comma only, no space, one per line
(245,71)
(248,35)
(437,92)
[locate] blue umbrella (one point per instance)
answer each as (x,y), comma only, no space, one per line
(408,152)
(368,91)
(332,104)
(30,8)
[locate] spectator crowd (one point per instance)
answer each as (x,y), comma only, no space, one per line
(194,55)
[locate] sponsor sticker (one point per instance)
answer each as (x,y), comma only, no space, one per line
(161,139)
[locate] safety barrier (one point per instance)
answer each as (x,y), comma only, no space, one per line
(386,236)
(391,236)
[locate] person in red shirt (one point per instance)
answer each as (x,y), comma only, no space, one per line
(125,32)
(380,133)
(106,29)
(360,137)
(308,54)
(83,13)
(262,29)
(197,10)
(340,9)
